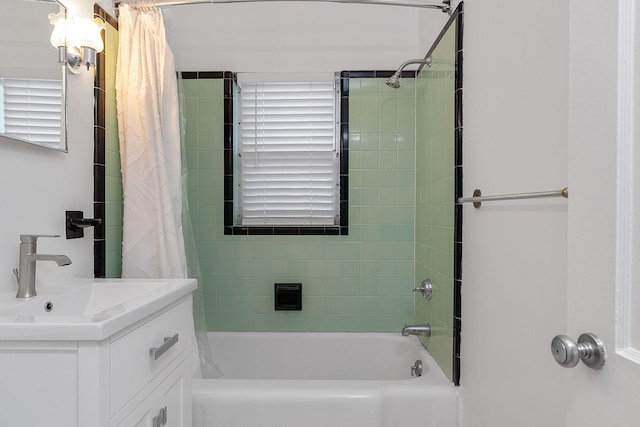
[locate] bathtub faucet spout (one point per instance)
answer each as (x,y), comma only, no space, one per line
(420,330)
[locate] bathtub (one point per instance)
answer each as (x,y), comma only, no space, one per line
(322,380)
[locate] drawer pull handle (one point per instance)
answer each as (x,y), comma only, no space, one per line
(156,352)
(161,418)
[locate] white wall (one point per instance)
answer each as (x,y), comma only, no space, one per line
(38,185)
(514,253)
(292,36)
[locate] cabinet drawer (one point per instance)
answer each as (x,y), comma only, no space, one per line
(132,365)
(172,396)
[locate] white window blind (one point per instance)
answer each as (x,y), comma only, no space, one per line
(289,165)
(31,109)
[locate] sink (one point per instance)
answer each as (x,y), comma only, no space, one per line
(86,309)
(86,300)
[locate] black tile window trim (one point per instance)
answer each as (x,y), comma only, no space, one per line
(374,74)
(230,228)
(239,230)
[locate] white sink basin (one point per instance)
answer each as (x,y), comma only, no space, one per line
(86,309)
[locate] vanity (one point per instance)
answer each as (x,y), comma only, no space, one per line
(97,353)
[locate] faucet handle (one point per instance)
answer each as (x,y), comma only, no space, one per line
(426,289)
(32,238)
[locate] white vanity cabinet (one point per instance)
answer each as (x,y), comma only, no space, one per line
(148,380)
(117,381)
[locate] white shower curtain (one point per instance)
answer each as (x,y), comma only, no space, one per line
(148,120)
(157,239)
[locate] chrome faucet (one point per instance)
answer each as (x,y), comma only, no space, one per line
(26,273)
(420,330)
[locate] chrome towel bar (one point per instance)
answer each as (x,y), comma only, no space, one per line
(478,198)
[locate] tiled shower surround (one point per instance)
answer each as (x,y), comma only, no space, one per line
(401,219)
(113,177)
(360,282)
(435,193)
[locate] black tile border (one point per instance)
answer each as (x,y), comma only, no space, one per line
(99,155)
(99,183)
(458,17)
(99,231)
(99,145)
(100,258)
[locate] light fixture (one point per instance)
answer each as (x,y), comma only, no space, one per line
(78,39)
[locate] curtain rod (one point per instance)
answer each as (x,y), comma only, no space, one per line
(445,7)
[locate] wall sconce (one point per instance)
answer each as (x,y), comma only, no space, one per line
(77,39)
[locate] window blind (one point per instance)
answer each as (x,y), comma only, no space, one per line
(289,165)
(31,109)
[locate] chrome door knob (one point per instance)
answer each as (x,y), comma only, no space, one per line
(589,348)
(565,351)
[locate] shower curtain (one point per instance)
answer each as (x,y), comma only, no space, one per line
(157,240)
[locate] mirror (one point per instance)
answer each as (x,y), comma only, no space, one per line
(32,81)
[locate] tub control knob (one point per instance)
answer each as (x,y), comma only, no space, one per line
(426,289)
(589,348)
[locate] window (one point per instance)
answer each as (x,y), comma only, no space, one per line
(31,109)
(288,157)
(287,160)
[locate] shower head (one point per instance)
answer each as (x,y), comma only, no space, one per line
(394,80)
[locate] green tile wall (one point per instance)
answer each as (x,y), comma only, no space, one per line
(113,177)
(360,282)
(435,197)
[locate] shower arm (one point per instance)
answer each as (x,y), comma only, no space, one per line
(394,80)
(424,61)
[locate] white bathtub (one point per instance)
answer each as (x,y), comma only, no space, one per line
(322,380)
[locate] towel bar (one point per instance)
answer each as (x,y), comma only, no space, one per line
(478,198)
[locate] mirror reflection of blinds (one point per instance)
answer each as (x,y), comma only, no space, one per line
(289,166)
(31,109)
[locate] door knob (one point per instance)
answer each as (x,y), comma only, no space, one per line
(589,349)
